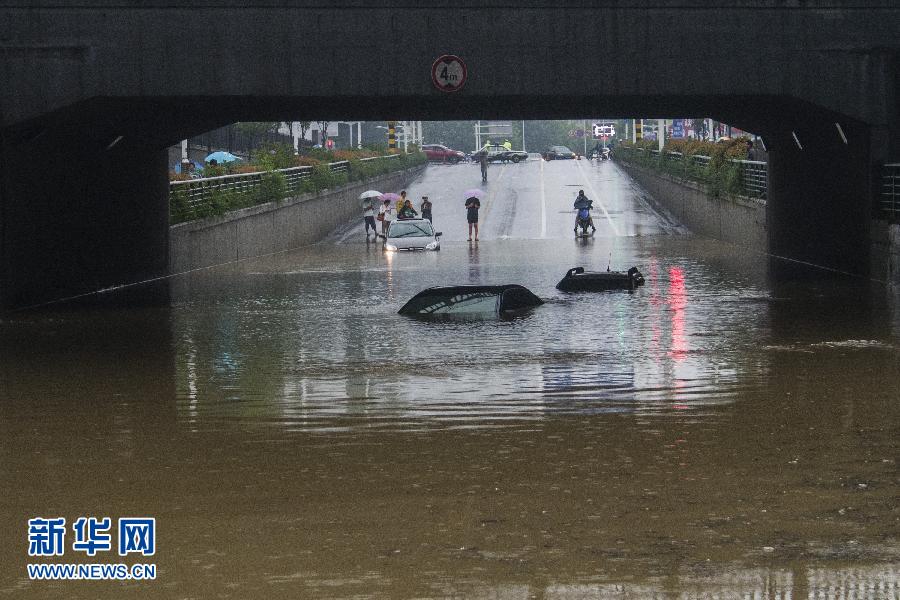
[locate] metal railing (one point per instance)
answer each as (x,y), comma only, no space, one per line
(754,173)
(889,198)
(199,191)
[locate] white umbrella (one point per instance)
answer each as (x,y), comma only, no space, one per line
(368,195)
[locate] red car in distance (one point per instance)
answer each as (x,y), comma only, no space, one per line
(439,153)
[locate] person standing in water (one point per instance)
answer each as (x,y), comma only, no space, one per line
(426,208)
(483,159)
(369,216)
(386,212)
(472,206)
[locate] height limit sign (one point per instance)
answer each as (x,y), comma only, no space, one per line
(448,73)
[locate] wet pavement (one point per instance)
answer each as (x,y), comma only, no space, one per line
(715,434)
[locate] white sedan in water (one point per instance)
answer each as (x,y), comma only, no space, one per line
(412,234)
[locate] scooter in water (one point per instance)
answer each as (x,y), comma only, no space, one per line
(583,220)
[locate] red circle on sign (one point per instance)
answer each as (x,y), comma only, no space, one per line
(449,73)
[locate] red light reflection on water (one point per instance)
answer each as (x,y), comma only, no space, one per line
(677,300)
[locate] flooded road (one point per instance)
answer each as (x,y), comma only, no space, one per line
(712,435)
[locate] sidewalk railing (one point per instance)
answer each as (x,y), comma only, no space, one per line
(192,196)
(889,198)
(199,191)
(753,173)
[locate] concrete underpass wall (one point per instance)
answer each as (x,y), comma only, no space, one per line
(738,221)
(885,251)
(274,226)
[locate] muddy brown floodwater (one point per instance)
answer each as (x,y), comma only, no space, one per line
(712,435)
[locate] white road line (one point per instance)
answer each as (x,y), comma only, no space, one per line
(347,235)
(489,201)
(543,204)
(597,201)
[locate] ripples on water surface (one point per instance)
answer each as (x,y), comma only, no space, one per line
(686,341)
(710,435)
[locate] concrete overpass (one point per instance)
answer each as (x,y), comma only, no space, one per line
(95,90)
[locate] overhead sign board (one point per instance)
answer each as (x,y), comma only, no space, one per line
(448,73)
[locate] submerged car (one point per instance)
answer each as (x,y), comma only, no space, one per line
(557,152)
(579,280)
(488,300)
(412,234)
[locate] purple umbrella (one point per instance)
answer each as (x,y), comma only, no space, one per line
(474,193)
(390,196)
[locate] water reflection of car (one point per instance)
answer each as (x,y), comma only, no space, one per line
(501,154)
(412,234)
(438,152)
(557,152)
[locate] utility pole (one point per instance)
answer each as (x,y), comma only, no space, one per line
(523,136)
(661,133)
(584,135)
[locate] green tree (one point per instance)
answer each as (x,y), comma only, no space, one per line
(254,130)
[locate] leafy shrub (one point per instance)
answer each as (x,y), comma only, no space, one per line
(273,184)
(271,156)
(720,175)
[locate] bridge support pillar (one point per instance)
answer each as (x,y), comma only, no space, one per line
(78,214)
(820,196)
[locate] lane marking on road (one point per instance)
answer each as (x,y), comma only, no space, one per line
(543,204)
(350,231)
(489,201)
(596,197)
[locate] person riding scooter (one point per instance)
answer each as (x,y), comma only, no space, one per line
(583,217)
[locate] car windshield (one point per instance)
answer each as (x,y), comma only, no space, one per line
(399,229)
(561,149)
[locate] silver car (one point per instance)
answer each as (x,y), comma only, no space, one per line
(412,234)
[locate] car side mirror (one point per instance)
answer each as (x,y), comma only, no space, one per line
(438,233)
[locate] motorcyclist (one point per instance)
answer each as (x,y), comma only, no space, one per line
(583,207)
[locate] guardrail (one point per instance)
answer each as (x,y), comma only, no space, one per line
(889,197)
(199,190)
(754,173)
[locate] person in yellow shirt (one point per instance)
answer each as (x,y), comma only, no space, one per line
(401,201)
(507,144)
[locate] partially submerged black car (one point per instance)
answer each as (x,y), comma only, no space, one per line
(470,300)
(579,280)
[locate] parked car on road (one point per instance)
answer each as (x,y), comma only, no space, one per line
(440,153)
(557,152)
(501,154)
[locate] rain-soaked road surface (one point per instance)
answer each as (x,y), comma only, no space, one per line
(713,435)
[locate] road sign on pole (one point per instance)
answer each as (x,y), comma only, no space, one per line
(449,73)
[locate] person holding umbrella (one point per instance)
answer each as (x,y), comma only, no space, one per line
(368,207)
(473,204)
